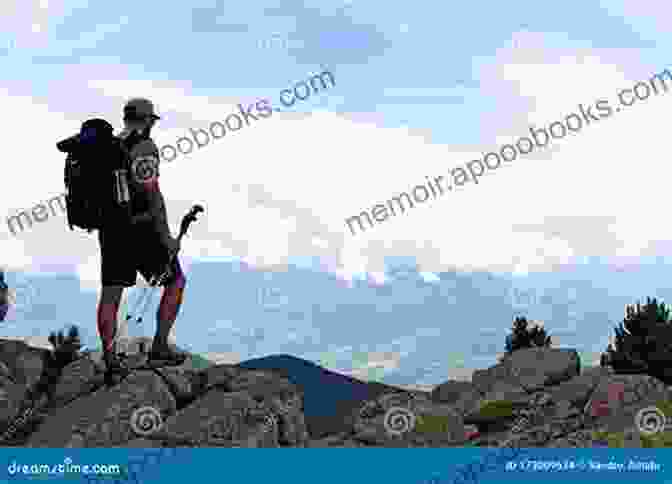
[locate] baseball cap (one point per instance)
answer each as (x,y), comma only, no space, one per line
(139,108)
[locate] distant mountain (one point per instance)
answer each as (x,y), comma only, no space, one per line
(329,397)
(308,314)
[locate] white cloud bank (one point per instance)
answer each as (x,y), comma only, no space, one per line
(284,186)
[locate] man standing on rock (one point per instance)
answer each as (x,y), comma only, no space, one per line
(142,244)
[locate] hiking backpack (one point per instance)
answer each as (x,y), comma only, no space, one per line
(96,176)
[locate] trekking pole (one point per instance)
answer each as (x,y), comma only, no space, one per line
(156,281)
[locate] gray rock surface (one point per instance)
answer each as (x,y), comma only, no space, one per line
(533,398)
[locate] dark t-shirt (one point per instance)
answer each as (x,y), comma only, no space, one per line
(143,171)
(143,176)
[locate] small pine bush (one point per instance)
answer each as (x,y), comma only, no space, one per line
(524,336)
(65,351)
(643,342)
(65,347)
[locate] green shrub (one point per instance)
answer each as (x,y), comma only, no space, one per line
(433,424)
(200,363)
(615,440)
(65,351)
(665,406)
(662,439)
(523,336)
(496,409)
(643,342)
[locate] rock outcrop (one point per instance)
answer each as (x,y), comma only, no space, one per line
(537,397)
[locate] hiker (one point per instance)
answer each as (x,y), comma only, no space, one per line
(4,296)
(142,243)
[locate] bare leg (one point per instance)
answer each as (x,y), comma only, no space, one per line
(169,308)
(108,307)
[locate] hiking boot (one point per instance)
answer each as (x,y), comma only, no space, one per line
(115,370)
(166,357)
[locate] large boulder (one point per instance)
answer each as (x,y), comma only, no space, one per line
(25,362)
(218,376)
(536,368)
(78,378)
(408,420)
(220,419)
(577,390)
(463,396)
(506,390)
(237,407)
(281,397)
(103,418)
(180,382)
(11,399)
(485,379)
(617,398)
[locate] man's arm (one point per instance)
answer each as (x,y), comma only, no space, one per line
(145,170)
(158,212)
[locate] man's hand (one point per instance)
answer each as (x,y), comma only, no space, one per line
(171,244)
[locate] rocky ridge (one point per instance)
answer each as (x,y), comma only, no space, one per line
(536,397)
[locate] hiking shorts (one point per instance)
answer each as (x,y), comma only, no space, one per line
(124,253)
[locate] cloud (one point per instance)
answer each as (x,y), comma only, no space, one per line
(283,187)
(223,358)
(31,16)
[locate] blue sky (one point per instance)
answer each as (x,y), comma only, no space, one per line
(568,234)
